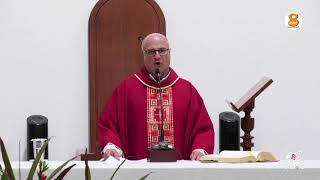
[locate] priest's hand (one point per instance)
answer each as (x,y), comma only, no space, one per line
(110,152)
(195,155)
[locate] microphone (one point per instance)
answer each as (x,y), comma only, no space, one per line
(158,76)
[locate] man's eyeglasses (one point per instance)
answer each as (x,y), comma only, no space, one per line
(153,52)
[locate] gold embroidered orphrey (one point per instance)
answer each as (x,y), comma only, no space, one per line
(154,115)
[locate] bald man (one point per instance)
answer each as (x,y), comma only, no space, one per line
(131,122)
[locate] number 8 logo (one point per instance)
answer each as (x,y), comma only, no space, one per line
(293,20)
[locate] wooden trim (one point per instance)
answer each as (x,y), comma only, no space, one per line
(93,110)
(162,20)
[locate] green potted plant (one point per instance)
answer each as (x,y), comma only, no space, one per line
(7,172)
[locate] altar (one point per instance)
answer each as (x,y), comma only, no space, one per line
(281,170)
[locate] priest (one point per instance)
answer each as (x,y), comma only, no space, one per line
(131,122)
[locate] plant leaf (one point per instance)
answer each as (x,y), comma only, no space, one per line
(87,169)
(145,176)
(40,170)
(37,159)
(114,173)
(4,176)
(6,160)
(64,172)
(58,169)
(19,159)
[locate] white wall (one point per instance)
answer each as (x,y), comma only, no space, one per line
(223,47)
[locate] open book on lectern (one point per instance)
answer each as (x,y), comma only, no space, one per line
(249,97)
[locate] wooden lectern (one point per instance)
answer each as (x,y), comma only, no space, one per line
(246,104)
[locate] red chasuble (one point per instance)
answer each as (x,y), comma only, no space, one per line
(132,117)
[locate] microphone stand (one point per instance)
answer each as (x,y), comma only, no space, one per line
(161,144)
(161,152)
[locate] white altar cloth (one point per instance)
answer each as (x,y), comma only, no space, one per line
(282,170)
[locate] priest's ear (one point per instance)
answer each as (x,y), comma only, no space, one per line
(141,38)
